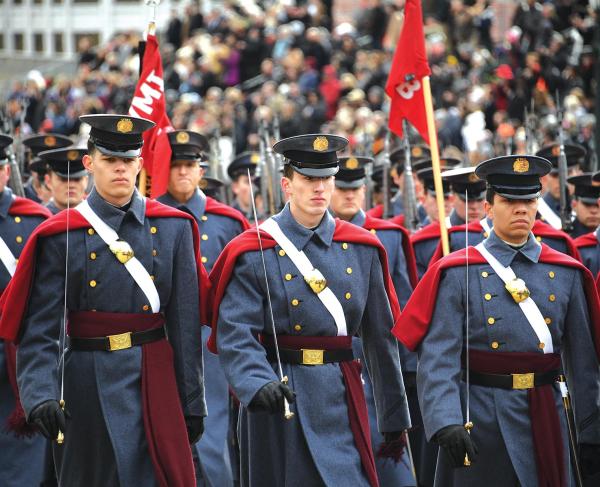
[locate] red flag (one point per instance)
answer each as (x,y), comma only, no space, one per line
(149,102)
(404,85)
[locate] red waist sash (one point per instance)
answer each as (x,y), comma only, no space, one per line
(545,424)
(164,423)
(355,394)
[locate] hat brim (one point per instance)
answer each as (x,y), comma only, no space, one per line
(355,184)
(471,196)
(511,196)
(588,200)
(72,175)
(129,154)
(311,172)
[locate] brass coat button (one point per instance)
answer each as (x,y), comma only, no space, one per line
(19,239)
(17,219)
(204,218)
(93,255)
(551,274)
(548,320)
(93,283)
(204,236)
(348,295)
(153,229)
(281,252)
(204,259)
(345,246)
(495,345)
(297,327)
(295,302)
(373,231)
(539,239)
(491,321)
(349,270)
(145,307)
(486,235)
(91,231)
(288,277)
(552,298)
(487,296)
(154,253)
(484,274)
(541,345)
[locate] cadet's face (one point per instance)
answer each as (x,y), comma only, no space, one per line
(66,192)
(345,202)
(513,219)
(241,189)
(114,177)
(588,215)
(430,205)
(309,197)
(473,210)
(184,178)
(4,175)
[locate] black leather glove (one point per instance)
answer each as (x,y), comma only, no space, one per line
(49,418)
(589,458)
(455,440)
(270,398)
(195,428)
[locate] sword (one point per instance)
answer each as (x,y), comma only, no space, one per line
(566,398)
(287,414)
(468,423)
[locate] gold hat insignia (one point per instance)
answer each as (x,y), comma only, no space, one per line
(521,165)
(417,152)
(321,144)
(72,155)
(556,150)
(182,137)
(352,163)
(255,158)
(125,125)
(50,141)
(473,178)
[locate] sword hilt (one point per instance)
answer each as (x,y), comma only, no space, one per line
(468,427)
(60,438)
(287,412)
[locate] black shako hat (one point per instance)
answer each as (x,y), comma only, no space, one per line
(417,153)
(188,146)
(5,141)
(312,155)
(352,172)
(117,135)
(574,153)
(241,163)
(67,163)
(587,187)
(464,181)
(514,177)
(44,142)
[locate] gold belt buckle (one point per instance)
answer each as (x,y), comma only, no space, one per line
(120,341)
(316,281)
(518,290)
(523,381)
(312,357)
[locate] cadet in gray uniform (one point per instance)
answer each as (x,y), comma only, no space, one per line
(21,460)
(344,289)
(218,224)
(523,332)
(66,177)
(133,389)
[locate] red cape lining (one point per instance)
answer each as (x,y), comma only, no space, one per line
(218,208)
(24,206)
(587,240)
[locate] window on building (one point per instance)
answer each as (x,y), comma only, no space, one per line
(38,2)
(57,1)
(58,42)
(93,39)
(18,41)
(38,42)
(1,41)
(18,2)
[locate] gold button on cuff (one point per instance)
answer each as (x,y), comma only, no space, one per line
(204,218)
(495,345)
(154,253)
(295,302)
(488,296)
(93,283)
(348,295)
(17,219)
(288,277)
(539,239)
(484,274)
(551,274)
(145,307)
(204,259)
(204,236)
(349,270)
(297,327)
(491,321)
(541,346)
(373,231)
(345,246)
(153,229)
(91,231)
(552,298)
(548,320)
(93,255)
(281,252)
(19,239)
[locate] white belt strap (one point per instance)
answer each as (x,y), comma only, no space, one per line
(485,225)
(548,214)
(7,258)
(133,265)
(528,306)
(300,260)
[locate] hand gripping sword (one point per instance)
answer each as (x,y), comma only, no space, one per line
(287,413)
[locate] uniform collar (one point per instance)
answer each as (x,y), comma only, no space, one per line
(6,199)
(196,205)
(111,214)
(359,218)
(506,254)
(300,235)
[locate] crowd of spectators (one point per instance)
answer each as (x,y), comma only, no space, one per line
(245,64)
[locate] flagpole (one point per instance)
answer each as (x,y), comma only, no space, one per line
(435,160)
